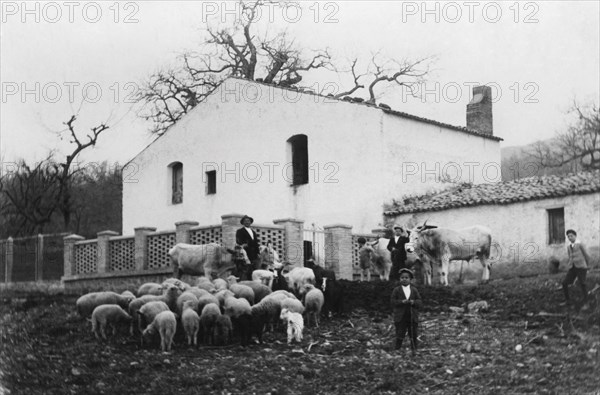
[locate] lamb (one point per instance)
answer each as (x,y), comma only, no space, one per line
(220,284)
(260,290)
(128,294)
(165,324)
(199,292)
(295,325)
(206,299)
(191,322)
(148,312)
(313,303)
(107,314)
(262,276)
(183,286)
(222,330)
(150,289)
(208,318)
(186,297)
(240,290)
(88,302)
(207,286)
(298,277)
(266,311)
(222,295)
(170,295)
(293,305)
(240,312)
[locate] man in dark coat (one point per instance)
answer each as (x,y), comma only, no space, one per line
(396,247)
(248,239)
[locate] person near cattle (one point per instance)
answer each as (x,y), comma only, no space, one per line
(579,261)
(248,239)
(364,264)
(398,252)
(406,301)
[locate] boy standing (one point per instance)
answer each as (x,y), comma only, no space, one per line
(578,263)
(405,304)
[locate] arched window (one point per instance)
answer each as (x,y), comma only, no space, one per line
(298,147)
(176,182)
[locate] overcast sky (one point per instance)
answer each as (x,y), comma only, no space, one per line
(538,57)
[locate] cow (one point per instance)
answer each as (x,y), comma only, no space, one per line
(439,246)
(376,255)
(210,260)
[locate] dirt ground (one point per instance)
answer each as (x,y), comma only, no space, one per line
(46,348)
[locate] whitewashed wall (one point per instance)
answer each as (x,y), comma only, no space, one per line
(242,130)
(520,230)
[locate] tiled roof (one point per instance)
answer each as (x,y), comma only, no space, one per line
(383,107)
(532,188)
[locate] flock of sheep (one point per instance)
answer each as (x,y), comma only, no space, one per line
(214,310)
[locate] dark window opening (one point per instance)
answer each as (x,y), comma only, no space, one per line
(211,182)
(299,145)
(177,183)
(556,226)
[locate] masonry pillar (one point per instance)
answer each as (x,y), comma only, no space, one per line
(141,246)
(338,250)
(230,223)
(9,260)
(182,231)
(294,240)
(103,250)
(69,253)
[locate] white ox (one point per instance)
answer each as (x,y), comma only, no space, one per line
(380,258)
(441,245)
(210,260)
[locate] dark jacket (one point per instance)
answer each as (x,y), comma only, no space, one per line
(400,253)
(399,309)
(252,245)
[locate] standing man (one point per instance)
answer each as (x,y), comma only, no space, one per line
(578,265)
(396,247)
(248,239)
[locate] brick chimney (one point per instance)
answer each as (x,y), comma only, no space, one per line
(479,111)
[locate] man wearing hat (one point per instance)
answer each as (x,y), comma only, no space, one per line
(248,238)
(396,247)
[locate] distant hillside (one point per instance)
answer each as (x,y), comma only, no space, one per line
(518,163)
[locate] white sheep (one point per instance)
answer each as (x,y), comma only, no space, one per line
(295,325)
(283,292)
(88,302)
(128,294)
(182,285)
(220,284)
(235,307)
(199,292)
(108,314)
(262,276)
(266,312)
(190,322)
(293,305)
(260,290)
(148,312)
(221,295)
(313,303)
(206,299)
(240,290)
(165,323)
(186,297)
(150,289)
(298,277)
(170,295)
(208,317)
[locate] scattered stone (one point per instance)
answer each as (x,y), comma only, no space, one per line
(75,372)
(456,310)
(476,307)
(518,348)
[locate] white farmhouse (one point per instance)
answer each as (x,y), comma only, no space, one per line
(274,152)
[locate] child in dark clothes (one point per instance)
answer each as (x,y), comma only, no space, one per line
(405,304)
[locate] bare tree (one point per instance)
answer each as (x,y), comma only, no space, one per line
(578,147)
(237,50)
(30,196)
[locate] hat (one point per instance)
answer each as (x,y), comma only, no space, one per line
(405,270)
(244,217)
(397,226)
